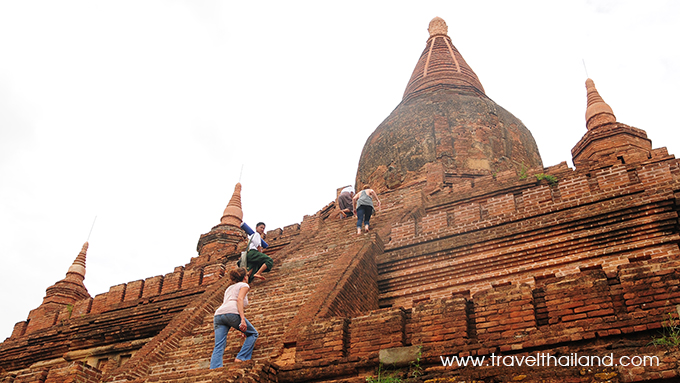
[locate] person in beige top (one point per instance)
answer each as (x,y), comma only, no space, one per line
(231,314)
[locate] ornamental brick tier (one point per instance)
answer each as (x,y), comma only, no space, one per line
(478,251)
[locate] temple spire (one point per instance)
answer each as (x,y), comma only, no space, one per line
(77,269)
(598,112)
(442,66)
(233,214)
(225,238)
(60,296)
(72,286)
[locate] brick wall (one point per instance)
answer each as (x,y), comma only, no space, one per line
(76,372)
(575,299)
(132,291)
(173,281)
(41,318)
(152,286)
(441,322)
(521,229)
(377,330)
(323,339)
(580,308)
(504,316)
(116,294)
(19,329)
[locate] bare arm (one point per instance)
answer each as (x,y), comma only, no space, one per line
(374,196)
(239,304)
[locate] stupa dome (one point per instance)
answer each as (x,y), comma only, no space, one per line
(445,118)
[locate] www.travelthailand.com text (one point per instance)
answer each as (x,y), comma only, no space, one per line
(547,360)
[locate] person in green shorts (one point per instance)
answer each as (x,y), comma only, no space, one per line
(258,262)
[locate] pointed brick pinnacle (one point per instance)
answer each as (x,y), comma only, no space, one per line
(441,66)
(233,214)
(598,113)
(71,288)
(78,266)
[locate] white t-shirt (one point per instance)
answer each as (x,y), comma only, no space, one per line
(230,297)
(255,241)
(348,189)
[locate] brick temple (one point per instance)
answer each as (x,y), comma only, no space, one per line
(479,250)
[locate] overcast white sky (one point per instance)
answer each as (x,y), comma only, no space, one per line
(143,113)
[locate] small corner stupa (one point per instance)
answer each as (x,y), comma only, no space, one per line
(61,296)
(608,142)
(225,237)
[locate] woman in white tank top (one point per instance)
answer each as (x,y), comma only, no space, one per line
(231,314)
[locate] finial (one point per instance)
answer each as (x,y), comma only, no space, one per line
(78,266)
(233,214)
(438,27)
(598,113)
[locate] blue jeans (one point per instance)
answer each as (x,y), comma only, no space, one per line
(363,215)
(222,324)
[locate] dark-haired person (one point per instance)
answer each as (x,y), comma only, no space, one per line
(258,262)
(345,201)
(231,314)
(363,206)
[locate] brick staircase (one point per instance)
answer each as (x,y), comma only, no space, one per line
(300,267)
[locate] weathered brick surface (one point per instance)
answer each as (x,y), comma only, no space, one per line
(611,144)
(28,376)
(192,278)
(116,294)
(600,228)
(442,321)
(75,372)
(467,213)
(41,318)
(116,329)
(212,273)
(323,339)
(504,315)
(537,196)
(613,178)
(152,286)
(500,205)
(173,281)
(574,299)
(133,291)
(99,303)
(658,174)
(574,187)
(379,329)
(652,285)
(19,329)
(434,222)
